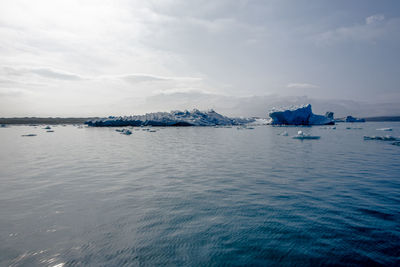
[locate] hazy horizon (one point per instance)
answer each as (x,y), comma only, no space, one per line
(100,58)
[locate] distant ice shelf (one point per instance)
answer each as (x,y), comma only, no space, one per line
(302,115)
(173,118)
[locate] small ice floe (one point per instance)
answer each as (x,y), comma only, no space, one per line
(50,131)
(127,132)
(3,126)
(301,136)
(329,128)
(47,127)
(124,131)
(354,128)
(396,143)
(27,135)
(284,133)
(245,127)
(152,131)
(385,129)
(381,138)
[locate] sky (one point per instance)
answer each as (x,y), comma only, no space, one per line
(100,58)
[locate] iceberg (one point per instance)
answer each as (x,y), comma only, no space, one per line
(352,119)
(300,116)
(301,136)
(385,129)
(124,131)
(173,118)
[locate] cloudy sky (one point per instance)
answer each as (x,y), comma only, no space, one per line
(88,58)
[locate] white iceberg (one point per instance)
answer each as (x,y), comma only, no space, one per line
(173,118)
(301,136)
(299,116)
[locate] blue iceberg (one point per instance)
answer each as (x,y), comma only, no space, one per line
(300,116)
(352,119)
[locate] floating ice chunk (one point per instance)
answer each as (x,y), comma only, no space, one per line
(299,116)
(301,136)
(27,135)
(396,143)
(381,138)
(126,132)
(50,131)
(354,128)
(3,125)
(385,129)
(47,127)
(284,133)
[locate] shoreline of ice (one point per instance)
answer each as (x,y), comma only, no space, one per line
(173,118)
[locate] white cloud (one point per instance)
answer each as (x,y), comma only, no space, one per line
(375,28)
(45,72)
(374,19)
(140,77)
(301,85)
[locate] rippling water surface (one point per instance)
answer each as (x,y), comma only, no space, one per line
(199,196)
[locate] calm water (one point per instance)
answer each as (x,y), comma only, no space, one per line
(199,197)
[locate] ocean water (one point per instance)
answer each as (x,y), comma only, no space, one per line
(199,196)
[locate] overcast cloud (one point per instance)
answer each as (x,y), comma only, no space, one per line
(101,57)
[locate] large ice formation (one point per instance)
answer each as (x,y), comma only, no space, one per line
(352,119)
(173,118)
(300,116)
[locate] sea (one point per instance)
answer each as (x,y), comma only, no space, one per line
(199,196)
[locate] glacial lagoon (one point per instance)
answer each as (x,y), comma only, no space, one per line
(195,196)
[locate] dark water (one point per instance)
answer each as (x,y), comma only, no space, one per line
(199,197)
